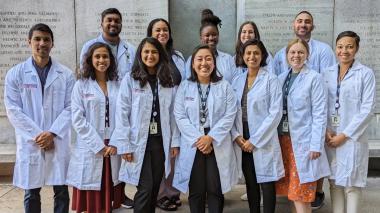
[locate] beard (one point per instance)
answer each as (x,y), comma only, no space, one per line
(114,34)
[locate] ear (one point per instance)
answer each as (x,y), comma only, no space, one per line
(313,27)
(30,42)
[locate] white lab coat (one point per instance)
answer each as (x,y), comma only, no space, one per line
(264,111)
(30,113)
(179,62)
(320,57)
(125,55)
(133,112)
(349,162)
(307,111)
(225,65)
(221,104)
(88,108)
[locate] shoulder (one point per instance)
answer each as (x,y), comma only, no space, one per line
(178,55)
(88,43)
(67,72)
(224,55)
(280,53)
(321,46)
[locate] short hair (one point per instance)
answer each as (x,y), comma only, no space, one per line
(111,11)
(351,34)
(239,55)
(306,12)
(260,45)
(140,71)
(88,67)
(214,74)
(209,19)
(40,27)
(295,41)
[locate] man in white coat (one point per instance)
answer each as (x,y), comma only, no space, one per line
(37,98)
(320,57)
(124,52)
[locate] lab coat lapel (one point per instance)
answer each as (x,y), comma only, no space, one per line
(299,79)
(54,72)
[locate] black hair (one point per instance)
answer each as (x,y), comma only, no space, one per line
(140,72)
(209,19)
(351,34)
(239,55)
(260,45)
(88,67)
(40,27)
(111,11)
(214,74)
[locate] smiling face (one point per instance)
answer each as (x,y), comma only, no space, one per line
(252,57)
(346,50)
(203,64)
(111,25)
(296,56)
(160,31)
(210,36)
(303,25)
(150,57)
(247,33)
(101,61)
(41,44)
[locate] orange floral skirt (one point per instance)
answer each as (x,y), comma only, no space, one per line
(290,184)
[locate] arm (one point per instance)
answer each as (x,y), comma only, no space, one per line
(85,131)
(264,134)
(175,141)
(13,104)
(360,121)
(223,127)
(319,114)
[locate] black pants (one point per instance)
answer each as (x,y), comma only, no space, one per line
(32,200)
(253,188)
(151,175)
(205,183)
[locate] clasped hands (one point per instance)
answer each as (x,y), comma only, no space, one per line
(245,145)
(45,140)
(334,140)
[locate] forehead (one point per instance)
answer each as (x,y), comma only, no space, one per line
(41,34)
(297,46)
(101,50)
(247,27)
(210,29)
(160,24)
(112,16)
(346,40)
(252,48)
(203,53)
(149,46)
(304,16)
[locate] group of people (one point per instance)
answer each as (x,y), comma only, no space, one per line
(149,118)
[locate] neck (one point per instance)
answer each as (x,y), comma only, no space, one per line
(252,72)
(345,66)
(296,70)
(101,77)
(111,39)
(152,71)
(41,62)
(305,38)
(204,80)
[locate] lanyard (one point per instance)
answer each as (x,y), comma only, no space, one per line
(286,93)
(203,103)
(338,82)
(155,95)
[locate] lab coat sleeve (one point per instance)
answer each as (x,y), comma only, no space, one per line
(264,134)
(63,121)
(360,121)
(318,113)
(180,63)
(121,135)
(234,70)
(237,128)
(82,55)
(327,58)
(175,142)
(13,104)
(188,131)
(85,131)
(223,127)
(276,63)
(187,69)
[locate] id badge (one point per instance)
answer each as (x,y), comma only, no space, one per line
(285,126)
(335,120)
(153,128)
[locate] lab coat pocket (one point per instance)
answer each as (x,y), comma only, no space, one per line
(304,162)
(92,168)
(266,162)
(260,106)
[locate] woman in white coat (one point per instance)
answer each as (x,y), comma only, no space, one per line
(351,90)
(205,109)
(209,34)
(259,94)
(146,133)
(302,129)
(94,167)
(159,28)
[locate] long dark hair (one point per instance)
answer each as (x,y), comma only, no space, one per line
(140,72)
(239,55)
(214,74)
(88,69)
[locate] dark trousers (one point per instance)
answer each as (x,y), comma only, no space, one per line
(205,183)
(151,175)
(32,200)
(253,188)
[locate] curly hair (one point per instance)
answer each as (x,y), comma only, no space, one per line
(209,19)
(88,69)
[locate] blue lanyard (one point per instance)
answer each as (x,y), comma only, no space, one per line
(338,83)
(286,93)
(155,94)
(203,104)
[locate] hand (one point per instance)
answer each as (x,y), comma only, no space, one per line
(128,157)
(109,150)
(329,135)
(314,155)
(174,152)
(204,143)
(50,147)
(240,141)
(248,146)
(337,140)
(45,140)
(208,151)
